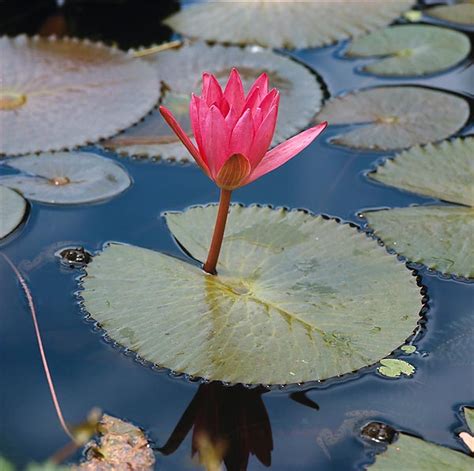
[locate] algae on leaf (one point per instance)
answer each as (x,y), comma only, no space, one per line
(12,210)
(440,237)
(180,71)
(307,300)
(411,49)
(395,117)
(60,93)
(66,177)
(276,24)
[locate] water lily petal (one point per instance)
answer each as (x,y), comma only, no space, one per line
(234,172)
(261,83)
(263,137)
(272,98)
(285,151)
(211,90)
(242,135)
(215,136)
(175,126)
(234,91)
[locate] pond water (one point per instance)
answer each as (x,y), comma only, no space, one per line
(315,426)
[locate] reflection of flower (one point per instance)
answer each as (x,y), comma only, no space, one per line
(230,424)
(233,132)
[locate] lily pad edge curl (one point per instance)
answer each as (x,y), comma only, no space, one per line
(156,345)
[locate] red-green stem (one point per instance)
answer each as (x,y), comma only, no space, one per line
(218,235)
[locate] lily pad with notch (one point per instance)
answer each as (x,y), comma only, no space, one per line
(271,23)
(66,177)
(439,237)
(395,117)
(61,93)
(411,50)
(461,12)
(12,210)
(297,298)
(180,72)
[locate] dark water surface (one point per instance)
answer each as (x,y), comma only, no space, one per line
(315,430)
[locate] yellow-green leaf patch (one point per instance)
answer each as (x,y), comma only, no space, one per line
(394,368)
(411,50)
(395,117)
(297,298)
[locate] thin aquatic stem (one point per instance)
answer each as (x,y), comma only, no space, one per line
(44,360)
(218,235)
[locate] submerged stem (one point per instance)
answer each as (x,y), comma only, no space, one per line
(31,305)
(218,235)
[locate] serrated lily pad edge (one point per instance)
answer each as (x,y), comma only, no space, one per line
(183,255)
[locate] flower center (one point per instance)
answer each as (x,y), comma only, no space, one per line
(11,100)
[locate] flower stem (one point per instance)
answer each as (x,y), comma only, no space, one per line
(218,235)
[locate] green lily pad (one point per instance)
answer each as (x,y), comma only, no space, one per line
(181,70)
(67,177)
(61,93)
(395,117)
(469,416)
(393,368)
(408,349)
(439,237)
(444,171)
(12,210)
(461,13)
(411,49)
(414,454)
(273,23)
(297,298)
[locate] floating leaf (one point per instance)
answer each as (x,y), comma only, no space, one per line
(58,93)
(408,349)
(121,446)
(181,71)
(414,454)
(395,117)
(469,416)
(439,237)
(411,49)
(444,171)
(6,465)
(12,210)
(273,23)
(67,177)
(462,12)
(393,368)
(297,298)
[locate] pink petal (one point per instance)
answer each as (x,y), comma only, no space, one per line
(263,137)
(285,151)
(234,91)
(253,99)
(257,119)
(178,130)
(215,136)
(232,117)
(242,135)
(194,114)
(272,98)
(261,83)
(211,90)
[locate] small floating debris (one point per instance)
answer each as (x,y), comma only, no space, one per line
(378,432)
(66,177)
(76,257)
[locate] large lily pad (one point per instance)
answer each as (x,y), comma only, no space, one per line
(297,298)
(411,49)
(58,93)
(414,454)
(12,210)
(66,177)
(462,12)
(395,117)
(440,237)
(273,23)
(181,70)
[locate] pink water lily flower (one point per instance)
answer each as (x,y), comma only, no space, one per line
(233,132)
